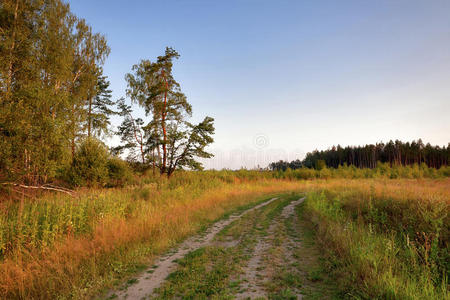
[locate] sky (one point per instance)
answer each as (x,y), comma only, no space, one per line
(282,78)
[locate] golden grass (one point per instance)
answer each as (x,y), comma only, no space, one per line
(123,236)
(59,247)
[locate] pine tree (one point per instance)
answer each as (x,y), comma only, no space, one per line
(152,86)
(131,133)
(367,156)
(176,141)
(186,142)
(99,108)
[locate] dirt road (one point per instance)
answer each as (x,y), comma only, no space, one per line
(152,278)
(254,254)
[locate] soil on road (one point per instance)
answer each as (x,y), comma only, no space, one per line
(265,252)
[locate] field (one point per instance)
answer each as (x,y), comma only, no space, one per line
(379,238)
(71,247)
(224,150)
(384,239)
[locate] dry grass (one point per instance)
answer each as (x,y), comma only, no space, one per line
(60,247)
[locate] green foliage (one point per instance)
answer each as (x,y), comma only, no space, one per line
(384,244)
(49,60)
(132,134)
(99,108)
(153,86)
(320,164)
(90,164)
(383,170)
(93,165)
(167,141)
(367,156)
(185,145)
(119,172)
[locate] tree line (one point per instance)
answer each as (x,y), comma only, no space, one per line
(54,97)
(367,156)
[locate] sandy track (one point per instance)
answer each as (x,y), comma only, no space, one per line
(147,283)
(253,278)
(255,273)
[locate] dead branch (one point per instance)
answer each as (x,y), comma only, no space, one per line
(43,187)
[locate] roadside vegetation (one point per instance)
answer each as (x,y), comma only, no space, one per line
(380,237)
(382,170)
(56,107)
(385,239)
(59,246)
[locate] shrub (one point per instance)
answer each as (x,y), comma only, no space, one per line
(445,171)
(320,164)
(119,173)
(90,164)
(305,173)
(325,173)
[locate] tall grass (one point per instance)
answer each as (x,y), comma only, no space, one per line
(385,239)
(61,247)
(391,236)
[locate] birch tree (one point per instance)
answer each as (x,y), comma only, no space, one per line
(48,59)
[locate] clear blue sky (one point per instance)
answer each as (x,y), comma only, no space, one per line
(282,78)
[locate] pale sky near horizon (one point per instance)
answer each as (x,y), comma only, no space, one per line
(282,78)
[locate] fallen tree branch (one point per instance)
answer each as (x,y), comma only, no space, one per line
(43,187)
(58,187)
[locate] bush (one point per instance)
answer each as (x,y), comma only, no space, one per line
(90,164)
(325,173)
(119,173)
(305,173)
(445,171)
(320,164)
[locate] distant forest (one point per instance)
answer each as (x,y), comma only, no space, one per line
(394,153)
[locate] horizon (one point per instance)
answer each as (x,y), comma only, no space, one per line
(284,79)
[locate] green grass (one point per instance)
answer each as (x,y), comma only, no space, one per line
(306,272)
(213,272)
(201,274)
(383,243)
(60,247)
(57,246)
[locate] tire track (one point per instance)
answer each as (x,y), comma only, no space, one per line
(147,283)
(255,272)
